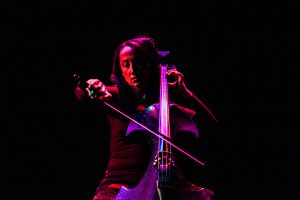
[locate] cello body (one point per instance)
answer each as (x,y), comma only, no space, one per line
(154,185)
(146,189)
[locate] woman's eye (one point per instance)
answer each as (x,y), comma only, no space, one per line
(125,64)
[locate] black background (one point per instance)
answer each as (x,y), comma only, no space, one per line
(239,57)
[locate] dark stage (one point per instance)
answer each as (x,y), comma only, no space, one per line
(238,57)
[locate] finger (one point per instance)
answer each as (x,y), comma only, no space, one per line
(173,84)
(174,72)
(98,84)
(93,82)
(102,88)
(179,80)
(106,96)
(88,89)
(90,81)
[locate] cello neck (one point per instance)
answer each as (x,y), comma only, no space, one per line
(164,125)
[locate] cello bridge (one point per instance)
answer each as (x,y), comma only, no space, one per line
(164,161)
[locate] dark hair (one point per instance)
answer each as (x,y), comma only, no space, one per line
(146,47)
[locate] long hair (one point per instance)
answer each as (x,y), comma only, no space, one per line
(146,47)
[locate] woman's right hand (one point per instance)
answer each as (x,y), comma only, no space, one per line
(97,90)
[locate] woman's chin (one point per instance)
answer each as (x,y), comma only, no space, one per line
(135,85)
(136,88)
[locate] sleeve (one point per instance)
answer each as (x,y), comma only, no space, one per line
(80,94)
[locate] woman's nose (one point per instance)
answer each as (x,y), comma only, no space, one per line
(132,69)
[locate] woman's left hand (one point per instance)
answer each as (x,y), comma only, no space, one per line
(178,82)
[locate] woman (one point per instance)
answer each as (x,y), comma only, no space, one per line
(135,77)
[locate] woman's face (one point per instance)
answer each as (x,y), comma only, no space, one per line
(135,68)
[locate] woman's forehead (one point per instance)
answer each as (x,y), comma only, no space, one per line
(130,53)
(127,50)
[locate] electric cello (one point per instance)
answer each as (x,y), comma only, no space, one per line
(161,175)
(160,179)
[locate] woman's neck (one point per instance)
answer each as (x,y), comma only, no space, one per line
(139,95)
